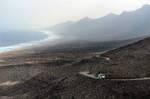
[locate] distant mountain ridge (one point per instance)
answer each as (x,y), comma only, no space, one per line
(110,27)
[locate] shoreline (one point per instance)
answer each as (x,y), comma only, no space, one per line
(50,38)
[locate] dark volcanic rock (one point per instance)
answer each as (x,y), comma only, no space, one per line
(58,76)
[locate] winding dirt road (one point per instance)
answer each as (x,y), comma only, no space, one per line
(86,73)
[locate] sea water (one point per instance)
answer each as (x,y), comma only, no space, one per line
(19,39)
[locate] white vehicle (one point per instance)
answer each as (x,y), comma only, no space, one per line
(101,76)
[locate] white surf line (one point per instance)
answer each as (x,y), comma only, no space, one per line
(85,73)
(50,37)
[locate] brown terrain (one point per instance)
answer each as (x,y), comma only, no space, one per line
(57,72)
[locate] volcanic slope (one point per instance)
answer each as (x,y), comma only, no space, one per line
(63,81)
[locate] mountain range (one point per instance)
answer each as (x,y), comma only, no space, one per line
(110,27)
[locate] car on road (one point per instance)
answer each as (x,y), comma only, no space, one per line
(101,76)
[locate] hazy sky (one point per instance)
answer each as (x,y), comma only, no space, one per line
(27,14)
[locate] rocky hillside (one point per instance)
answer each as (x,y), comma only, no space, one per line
(58,77)
(130,61)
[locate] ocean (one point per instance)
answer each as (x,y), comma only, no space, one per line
(12,40)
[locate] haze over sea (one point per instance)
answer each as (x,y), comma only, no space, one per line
(12,40)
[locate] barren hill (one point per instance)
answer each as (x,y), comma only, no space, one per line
(55,75)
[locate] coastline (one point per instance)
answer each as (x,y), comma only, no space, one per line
(50,37)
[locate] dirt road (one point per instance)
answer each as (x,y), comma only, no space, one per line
(86,73)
